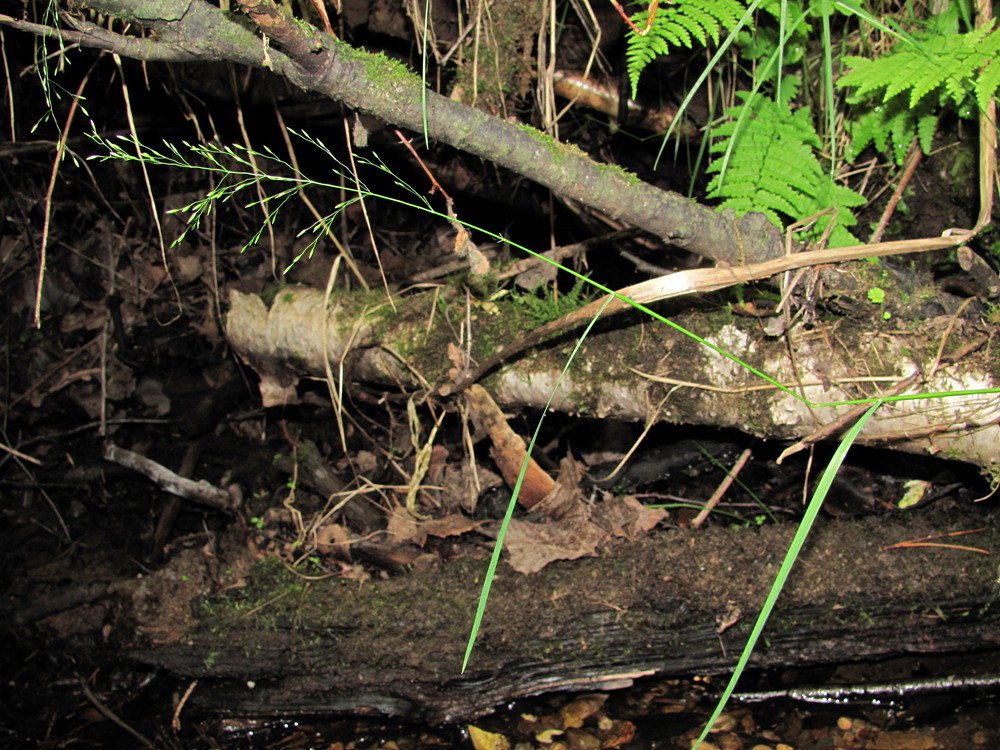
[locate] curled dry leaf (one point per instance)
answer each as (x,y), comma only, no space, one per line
(573,528)
(333,537)
(403,527)
(566,533)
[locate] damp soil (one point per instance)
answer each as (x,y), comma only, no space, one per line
(274,655)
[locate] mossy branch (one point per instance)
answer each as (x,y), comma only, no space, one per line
(386,89)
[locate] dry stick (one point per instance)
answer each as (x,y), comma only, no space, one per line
(912,160)
(987,135)
(320,9)
(987,162)
(50,189)
(526,264)
(67,538)
(53,371)
(349,143)
(721,489)
(10,86)
(173,505)
(464,248)
(565,251)
(545,63)
(143,168)
(844,419)
(77,596)
(650,422)
(763,386)
(18,454)
(924,541)
(201,491)
(946,334)
(175,722)
(258,174)
(107,713)
(701,280)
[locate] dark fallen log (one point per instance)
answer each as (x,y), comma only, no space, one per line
(283,646)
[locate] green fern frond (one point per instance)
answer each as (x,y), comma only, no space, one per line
(988,82)
(773,170)
(891,128)
(542,306)
(936,70)
(678,25)
(954,65)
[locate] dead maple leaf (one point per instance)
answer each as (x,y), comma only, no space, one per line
(403,527)
(571,527)
(566,533)
(626,516)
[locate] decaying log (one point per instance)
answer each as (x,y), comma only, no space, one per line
(679,602)
(632,367)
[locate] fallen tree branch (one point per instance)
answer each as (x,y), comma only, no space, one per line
(318,62)
(699,280)
(624,370)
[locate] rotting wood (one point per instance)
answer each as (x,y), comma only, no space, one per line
(655,606)
(508,449)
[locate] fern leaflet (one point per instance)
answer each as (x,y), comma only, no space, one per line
(681,25)
(773,169)
(943,68)
(954,65)
(891,128)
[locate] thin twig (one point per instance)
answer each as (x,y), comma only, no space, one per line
(912,160)
(721,489)
(844,419)
(201,491)
(107,713)
(175,722)
(349,143)
(18,454)
(154,211)
(650,422)
(946,334)
(50,189)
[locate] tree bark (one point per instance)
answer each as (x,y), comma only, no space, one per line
(193,29)
(635,368)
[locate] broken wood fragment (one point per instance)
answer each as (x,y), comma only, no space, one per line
(198,491)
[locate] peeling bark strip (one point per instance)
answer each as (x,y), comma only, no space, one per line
(508,449)
(318,62)
(624,372)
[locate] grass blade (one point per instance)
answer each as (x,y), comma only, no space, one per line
(819,495)
(498,547)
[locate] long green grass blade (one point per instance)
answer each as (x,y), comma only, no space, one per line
(805,525)
(498,547)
